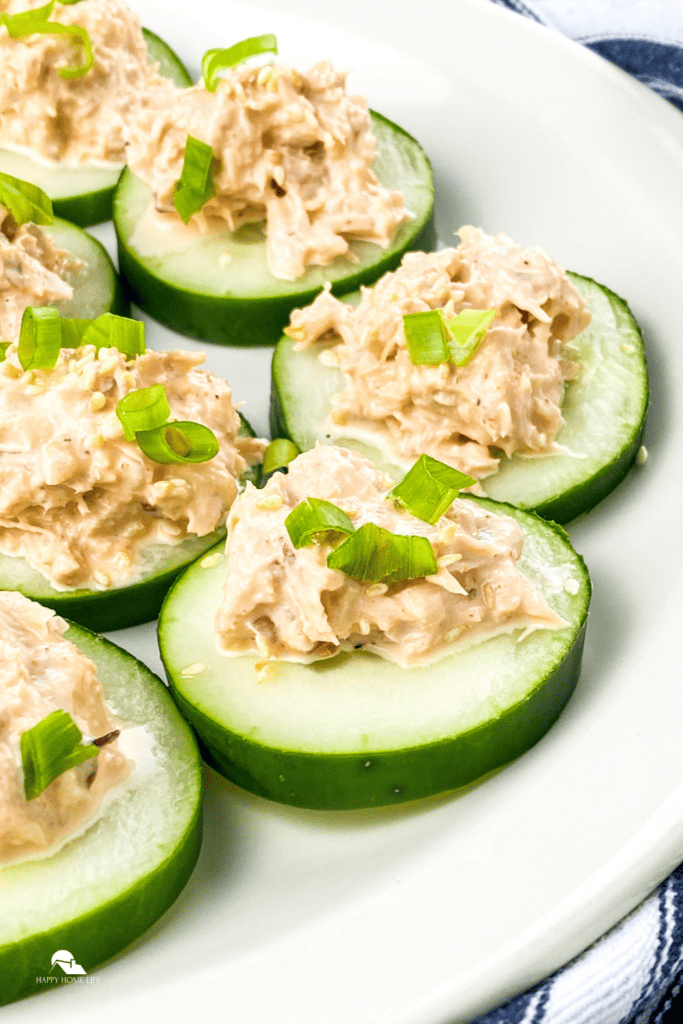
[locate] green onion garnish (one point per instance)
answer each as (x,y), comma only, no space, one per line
(217,60)
(73,332)
(26,202)
(195,186)
(40,338)
(429,488)
(467,331)
(143,409)
(278,455)
(313,517)
(49,749)
(28,23)
(431,340)
(426,337)
(179,442)
(111,331)
(375,555)
(4,345)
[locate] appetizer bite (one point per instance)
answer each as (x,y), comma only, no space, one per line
(359,645)
(488,357)
(117,466)
(100,796)
(245,193)
(72,75)
(44,262)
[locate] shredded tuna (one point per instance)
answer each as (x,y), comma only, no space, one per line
(41,672)
(33,272)
(506,399)
(82,504)
(292,148)
(284,602)
(80,120)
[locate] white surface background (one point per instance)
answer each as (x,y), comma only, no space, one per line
(435,912)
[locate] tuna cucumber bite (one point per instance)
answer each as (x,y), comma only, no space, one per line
(247,192)
(489,357)
(100,798)
(72,76)
(118,466)
(356,644)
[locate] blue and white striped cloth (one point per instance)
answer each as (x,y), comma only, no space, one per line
(635,971)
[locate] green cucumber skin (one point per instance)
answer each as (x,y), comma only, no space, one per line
(234,320)
(561,508)
(105,931)
(376,779)
(341,781)
(120,303)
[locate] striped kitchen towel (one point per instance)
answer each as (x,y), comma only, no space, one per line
(635,971)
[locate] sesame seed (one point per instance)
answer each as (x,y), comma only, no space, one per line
(193,670)
(641,457)
(33,390)
(88,379)
(98,401)
(364,627)
(270,502)
(445,560)
(134,530)
(571,586)
(110,364)
(211,560)
(376,590)
(101,578)
(264,74)
(85,360)
(448,533)
(627,349)
(453,634)
(129,379)
(96,441)
(262,645)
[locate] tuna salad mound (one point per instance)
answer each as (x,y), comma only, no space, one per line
(33,272)
(41,672)
(291,148)
(285,602)
(506,399)
(76,120)
(78,501)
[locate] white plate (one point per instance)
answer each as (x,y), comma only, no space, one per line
(436,912)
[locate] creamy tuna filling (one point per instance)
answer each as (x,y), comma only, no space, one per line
(293,149)
(284,602)
(33,272)
(81,120)
(41,672)
(77,500)
(506,399)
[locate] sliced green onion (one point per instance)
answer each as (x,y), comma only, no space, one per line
(28,23)
(4,345)
(426,337)
(49,749)
(40,338)
(143,410)
(375,555)
(111,331)
(26,202)
(313,517)
(179,442)
(195,186)
(278,454)
(429,488)
(217,60)
(467,331)
(73,332)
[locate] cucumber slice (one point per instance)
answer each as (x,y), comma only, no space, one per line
(106,886)
(84,195)
(189,288)
(357,730)
(130,603)
(604,412)
(96,286)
